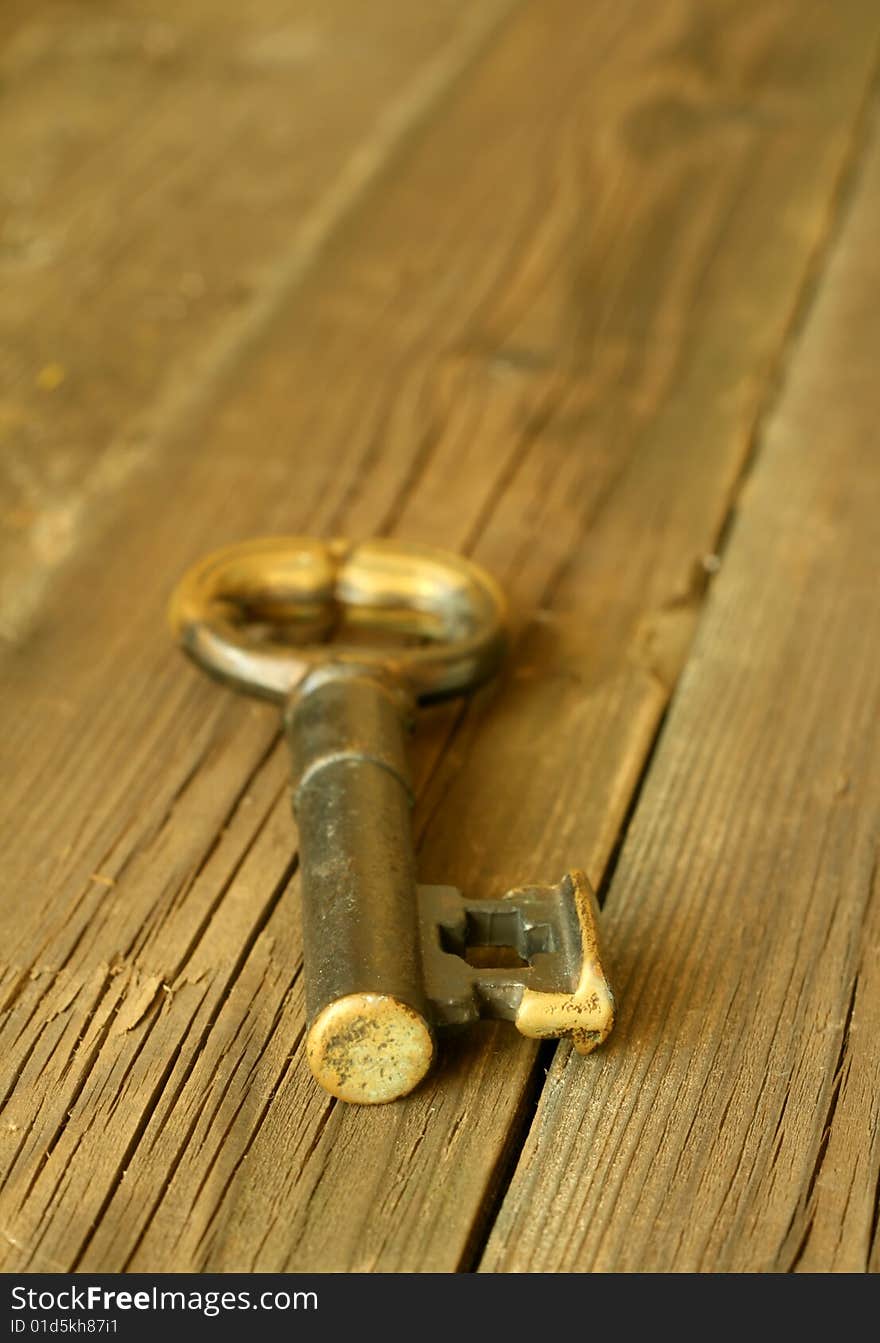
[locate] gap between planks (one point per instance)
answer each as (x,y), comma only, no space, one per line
(840,202)
(785,1175)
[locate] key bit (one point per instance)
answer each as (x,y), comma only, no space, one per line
(387,963)
(560,987)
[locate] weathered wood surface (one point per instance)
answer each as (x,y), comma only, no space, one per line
(168,173)
(547,337)
(733,1122)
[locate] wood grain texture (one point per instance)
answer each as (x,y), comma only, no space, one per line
(549,351)
(732,1125)
(168,174)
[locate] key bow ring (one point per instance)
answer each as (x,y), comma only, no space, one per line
(349,638)
(309,588)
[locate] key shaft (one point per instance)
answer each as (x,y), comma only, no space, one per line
(369,1037)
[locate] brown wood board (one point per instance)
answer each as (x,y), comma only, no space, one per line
(732,1124)
(168,173)
(551,353)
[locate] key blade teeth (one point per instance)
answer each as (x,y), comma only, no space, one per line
(585,1011)
(561,990)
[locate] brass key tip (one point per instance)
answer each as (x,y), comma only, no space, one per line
(368,1048)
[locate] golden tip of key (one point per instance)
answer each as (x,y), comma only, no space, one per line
(368,1048)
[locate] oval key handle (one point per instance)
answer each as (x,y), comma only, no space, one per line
(254,614)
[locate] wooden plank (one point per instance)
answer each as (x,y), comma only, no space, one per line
(162,1115)
(733,1124)
(168,173)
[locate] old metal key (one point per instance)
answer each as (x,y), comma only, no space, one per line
(386,960)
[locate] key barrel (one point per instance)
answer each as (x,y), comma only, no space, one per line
(368,1038)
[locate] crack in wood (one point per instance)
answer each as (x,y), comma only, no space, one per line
(152,1102)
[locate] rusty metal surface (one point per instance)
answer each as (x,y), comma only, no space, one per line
(560,988)
(387,963)
(352,799)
